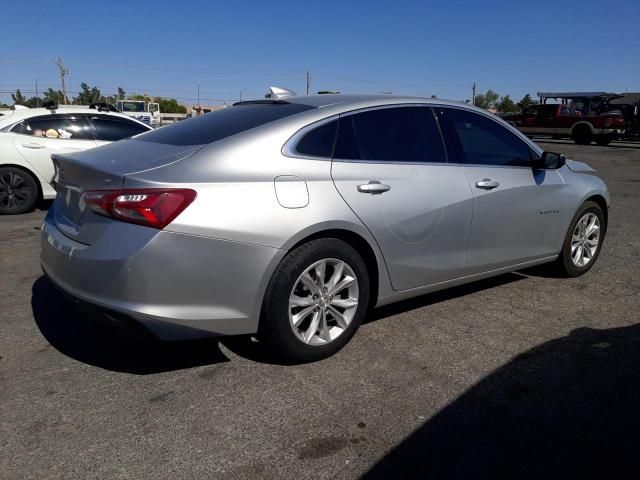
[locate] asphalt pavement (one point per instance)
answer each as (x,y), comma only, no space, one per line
(520,376)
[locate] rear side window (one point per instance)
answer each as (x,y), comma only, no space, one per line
(220,124)
(113,128)
(475,139)
(399,134)
(62,127)
(319,141)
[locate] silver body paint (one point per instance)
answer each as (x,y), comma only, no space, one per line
(207,271)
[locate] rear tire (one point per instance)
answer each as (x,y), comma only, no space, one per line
(603,140)
(18,191)
(582,135)
(306,316)
(577,238)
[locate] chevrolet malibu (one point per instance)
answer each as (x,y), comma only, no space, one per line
(289,218)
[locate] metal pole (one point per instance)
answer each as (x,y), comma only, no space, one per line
(37,97)
(473,94)
(63,71)
(308,82)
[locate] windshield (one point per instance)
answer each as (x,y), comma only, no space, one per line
(133,107)
(220,124)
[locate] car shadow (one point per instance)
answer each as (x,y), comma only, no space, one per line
(79,334)
(43,205)
(567,408)
(130,350)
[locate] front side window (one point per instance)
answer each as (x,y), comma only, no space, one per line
(475,139)
(64,127)
(397,134)
(112,129)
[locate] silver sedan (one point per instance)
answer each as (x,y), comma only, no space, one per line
(291,217)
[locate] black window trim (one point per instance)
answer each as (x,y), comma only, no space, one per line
(81,116)
(396,162)
(289,148)
(115,118)
(533,148)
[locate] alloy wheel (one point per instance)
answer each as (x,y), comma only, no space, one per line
(14,191)
(585,240)
(323,301)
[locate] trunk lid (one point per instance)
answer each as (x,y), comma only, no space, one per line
(103,168)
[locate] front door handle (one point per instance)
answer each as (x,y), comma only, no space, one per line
(487,184)
(374,187)
(35,146)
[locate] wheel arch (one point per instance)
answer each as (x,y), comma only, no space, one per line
(361,245)
(28,171)
(580,124)
(602,202)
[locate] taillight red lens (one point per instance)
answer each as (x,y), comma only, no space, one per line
(154,207)
(614,121)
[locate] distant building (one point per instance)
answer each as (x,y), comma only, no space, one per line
(627,98)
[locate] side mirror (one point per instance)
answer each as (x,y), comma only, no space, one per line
(549,161)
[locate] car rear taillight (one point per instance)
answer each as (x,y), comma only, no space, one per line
(154,207)
(614,122)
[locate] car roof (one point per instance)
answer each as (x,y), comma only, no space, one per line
(17,115)
(356,100)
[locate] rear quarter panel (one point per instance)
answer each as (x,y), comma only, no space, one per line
(237,201)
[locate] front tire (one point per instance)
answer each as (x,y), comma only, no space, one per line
(315,301)
(583,241)
(582,135)
(18,191)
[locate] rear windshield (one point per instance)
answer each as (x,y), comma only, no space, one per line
(220,124)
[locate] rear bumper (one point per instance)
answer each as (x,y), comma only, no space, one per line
(178,286)
(607,131)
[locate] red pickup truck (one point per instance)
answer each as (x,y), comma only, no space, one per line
(565,120)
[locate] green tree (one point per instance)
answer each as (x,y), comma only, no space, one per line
(20,99)
(506,105)
(170,105)
(121,93)
(88,95)
(144,98)
(526,102)
(487,100)
(54,96)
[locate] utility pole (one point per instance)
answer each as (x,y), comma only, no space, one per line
(63,72)
(198,86)
(473,94)
(37,97)
(308,82)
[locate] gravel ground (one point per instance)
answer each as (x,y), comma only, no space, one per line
(523,375)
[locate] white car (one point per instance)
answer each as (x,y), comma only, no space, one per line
(28,137)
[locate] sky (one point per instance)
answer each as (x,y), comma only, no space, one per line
(423,48)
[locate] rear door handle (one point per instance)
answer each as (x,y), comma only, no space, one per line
(487,184)
(35,146)
(374,187)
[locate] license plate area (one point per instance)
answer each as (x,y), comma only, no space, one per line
(71,206)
